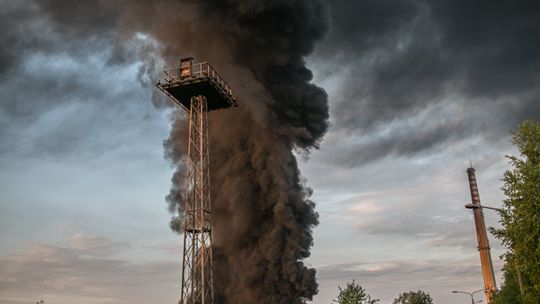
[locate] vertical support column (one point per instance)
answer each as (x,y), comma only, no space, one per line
(197,275)
(483,242)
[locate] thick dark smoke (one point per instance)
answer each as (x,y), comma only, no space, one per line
(262,213)
(261,210)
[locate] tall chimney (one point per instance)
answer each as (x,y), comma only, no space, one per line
(483,244)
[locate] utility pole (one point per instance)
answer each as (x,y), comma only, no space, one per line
(483,244)
(198,89)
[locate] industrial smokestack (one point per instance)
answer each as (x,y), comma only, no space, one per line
(483,243)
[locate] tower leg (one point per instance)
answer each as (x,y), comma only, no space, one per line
(197,265)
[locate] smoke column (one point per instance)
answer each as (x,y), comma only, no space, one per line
(262,214)
(261,211)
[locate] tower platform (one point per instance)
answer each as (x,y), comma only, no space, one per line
(188,80)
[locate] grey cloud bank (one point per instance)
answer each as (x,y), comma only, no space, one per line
(476,63)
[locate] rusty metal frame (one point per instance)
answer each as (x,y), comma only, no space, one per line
(197,263)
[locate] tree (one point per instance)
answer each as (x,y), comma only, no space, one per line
(414,297)
(354,294)
(520,218)
(509,293)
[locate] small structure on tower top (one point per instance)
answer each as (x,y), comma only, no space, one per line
(189,79)
(198,89)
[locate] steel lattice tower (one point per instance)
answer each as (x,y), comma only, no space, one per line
(189,86)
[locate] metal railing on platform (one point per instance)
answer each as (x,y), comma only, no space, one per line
(198,70)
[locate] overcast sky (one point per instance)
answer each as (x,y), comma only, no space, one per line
(416,89)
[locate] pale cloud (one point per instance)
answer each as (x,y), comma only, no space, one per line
(73,274)
(171,247)
(95,245)
(367,208)
(386,279)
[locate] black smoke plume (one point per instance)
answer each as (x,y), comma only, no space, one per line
(262,214)
(261,210)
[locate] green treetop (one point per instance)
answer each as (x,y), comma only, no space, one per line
(414,297)
(520,218)
(354,294)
